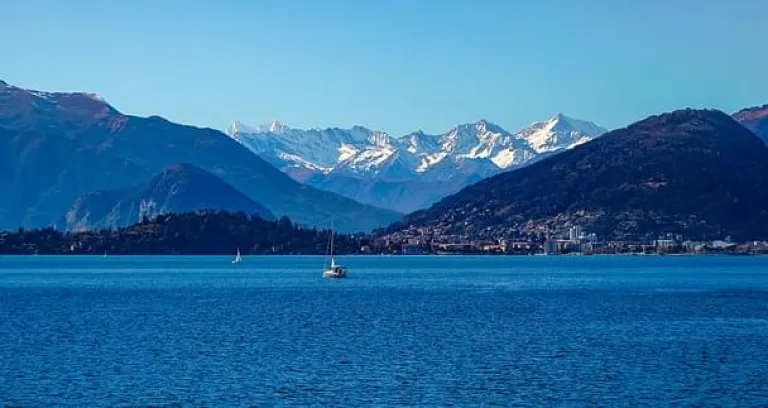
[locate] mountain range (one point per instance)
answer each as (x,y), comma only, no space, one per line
(55,147)
(73,159)
(693,172)
(411,171)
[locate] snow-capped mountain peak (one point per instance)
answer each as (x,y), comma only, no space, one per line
(485,126)
(238,128)
(585,127)
(273,127)
(478,149)
(55,96)
(380,139)
(78,107)
(559,132)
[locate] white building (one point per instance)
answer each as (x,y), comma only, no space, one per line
(574,234)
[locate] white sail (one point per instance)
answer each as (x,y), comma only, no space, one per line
(238,258)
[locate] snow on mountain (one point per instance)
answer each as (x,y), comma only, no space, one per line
(480,148)
(409,172)
(239,128)
(53,96)
(361,152)
(316,149)
(559,132)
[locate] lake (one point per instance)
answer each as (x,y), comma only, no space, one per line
(410,331)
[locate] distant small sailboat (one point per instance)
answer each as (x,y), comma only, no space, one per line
(105,254)
(238,258)
(334,271)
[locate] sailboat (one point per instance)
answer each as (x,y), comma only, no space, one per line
(334,271)
(238,258)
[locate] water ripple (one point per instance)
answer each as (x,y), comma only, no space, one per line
(85,336)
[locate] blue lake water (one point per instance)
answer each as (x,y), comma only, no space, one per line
(412,331)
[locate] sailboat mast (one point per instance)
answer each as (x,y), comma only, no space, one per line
(332,236)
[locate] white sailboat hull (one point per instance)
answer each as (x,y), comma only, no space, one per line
(336,272)
(333,271)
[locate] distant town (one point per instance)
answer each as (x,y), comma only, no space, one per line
(211,232)
(424,240)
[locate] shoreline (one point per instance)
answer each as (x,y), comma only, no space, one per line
(537,255)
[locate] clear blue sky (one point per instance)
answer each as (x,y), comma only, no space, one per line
(395,65)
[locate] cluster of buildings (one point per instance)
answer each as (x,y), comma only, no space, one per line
(424,240)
